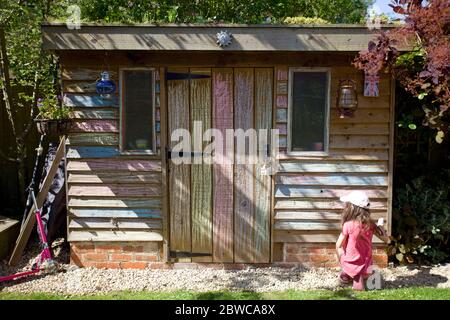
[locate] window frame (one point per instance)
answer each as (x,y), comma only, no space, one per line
(151,151)
(291,152)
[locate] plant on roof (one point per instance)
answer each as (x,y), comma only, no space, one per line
(305,20)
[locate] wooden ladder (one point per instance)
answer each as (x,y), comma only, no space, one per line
(25,232)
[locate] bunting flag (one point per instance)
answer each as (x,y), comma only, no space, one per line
(371,82)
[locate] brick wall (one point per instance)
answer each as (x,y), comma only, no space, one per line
(113,255)
(323,255)
(143,255)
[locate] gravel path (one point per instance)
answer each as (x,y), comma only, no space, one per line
(94,281)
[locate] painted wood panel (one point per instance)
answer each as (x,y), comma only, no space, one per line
(115,213)
(263,183)
(362,141)
(121,236)
(113,165)
(316,166)
(95,126)
(79,86)
(201,174)
(301,225)
(179,179)
(333,180)
(91,100)
(318,215)
(299,236)
(306,215)
(91,152)
(282,128)
(284,191)
(100,139)
(114,224)
(96,202)
(94,113)
(357,145)
(282,115)
(222,112)
(343,154)
(244,210)
(117,190)
(322,204)
(116,177)
(85,74)
(362,116)
(360,128)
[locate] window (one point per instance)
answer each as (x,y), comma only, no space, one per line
(137,110)
(308,111)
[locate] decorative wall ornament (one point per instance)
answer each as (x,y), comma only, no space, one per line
(347,98)
(371,85)
(224,38)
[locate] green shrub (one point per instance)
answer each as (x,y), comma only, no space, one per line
(51,108)
(305,20)
(421,220)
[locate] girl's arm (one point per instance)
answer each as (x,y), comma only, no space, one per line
(381,234)
(339,250)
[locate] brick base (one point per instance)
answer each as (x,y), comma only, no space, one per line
(111,255)
(148,255)
(323,255)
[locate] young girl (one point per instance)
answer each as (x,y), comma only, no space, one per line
(354,245)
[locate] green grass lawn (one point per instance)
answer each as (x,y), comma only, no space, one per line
(344,294)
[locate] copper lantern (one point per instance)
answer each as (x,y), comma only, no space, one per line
(347,99)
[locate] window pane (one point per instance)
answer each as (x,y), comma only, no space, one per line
(138,110)
(309,110)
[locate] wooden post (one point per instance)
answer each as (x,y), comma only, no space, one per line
(24,235)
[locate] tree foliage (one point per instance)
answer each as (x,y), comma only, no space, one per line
(424,71)
(226,11)
(26,72)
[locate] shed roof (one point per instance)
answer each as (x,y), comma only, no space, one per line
(343,37)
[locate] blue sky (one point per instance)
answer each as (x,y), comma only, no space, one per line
(382,6)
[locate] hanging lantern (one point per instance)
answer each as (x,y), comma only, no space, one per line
(347,99)
(105,87)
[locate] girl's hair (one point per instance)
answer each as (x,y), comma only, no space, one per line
(352,212)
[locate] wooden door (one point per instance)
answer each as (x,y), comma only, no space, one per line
(220,212)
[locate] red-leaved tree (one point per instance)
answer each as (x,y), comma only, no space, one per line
(424,70)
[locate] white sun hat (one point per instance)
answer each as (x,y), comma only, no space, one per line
(358,198)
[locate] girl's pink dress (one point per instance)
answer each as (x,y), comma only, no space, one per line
(357,257)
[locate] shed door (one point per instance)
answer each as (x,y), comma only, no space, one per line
(219,212)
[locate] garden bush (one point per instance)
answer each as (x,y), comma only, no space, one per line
(421,220)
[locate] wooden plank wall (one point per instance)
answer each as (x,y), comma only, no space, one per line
(111,197)
(201,174)
(307,188)
(244,198)
(223,172)
(263,191)
(114,197)
(179,177)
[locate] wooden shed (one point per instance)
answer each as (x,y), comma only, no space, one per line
(129,205)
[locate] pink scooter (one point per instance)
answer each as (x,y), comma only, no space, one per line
(44,261)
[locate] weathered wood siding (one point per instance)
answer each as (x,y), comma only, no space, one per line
(116,197)
(307,188)
(111,197)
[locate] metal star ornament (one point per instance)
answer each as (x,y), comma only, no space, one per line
(224,38)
